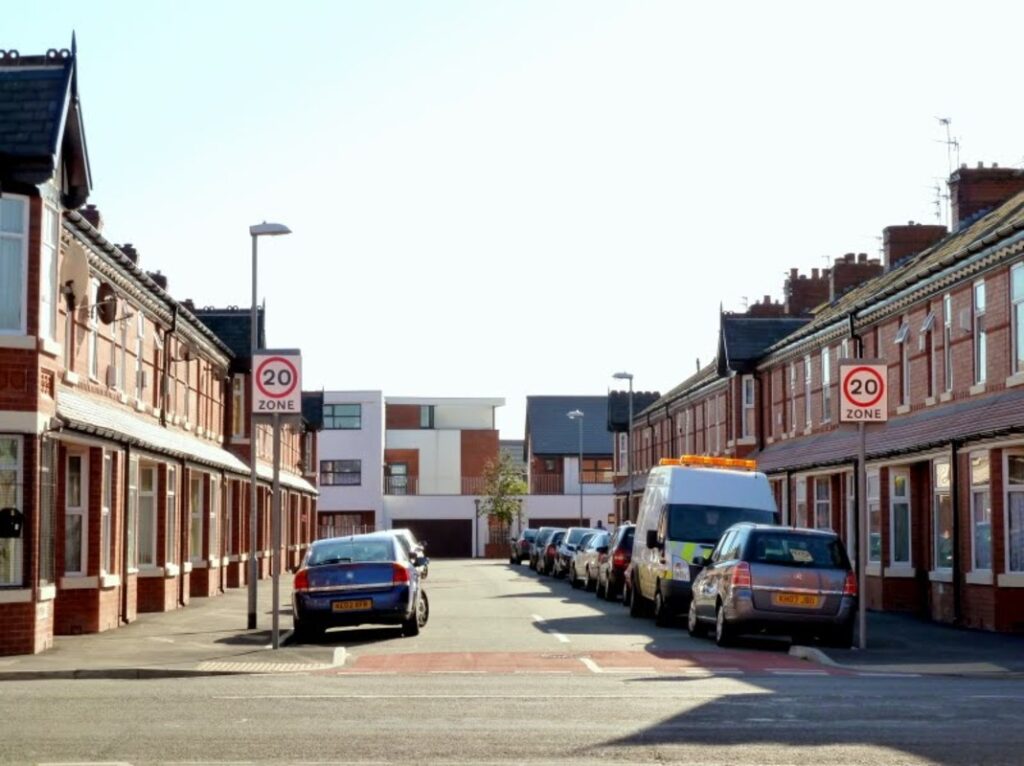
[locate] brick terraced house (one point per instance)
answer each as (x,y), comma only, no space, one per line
(119,490)
(945,490)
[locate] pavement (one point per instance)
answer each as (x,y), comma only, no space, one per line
(208,637)
(905,644)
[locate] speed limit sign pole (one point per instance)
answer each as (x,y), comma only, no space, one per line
(863,399)
(277,392)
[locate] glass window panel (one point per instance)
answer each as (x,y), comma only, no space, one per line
(943,531)
(982,513)
(12,215)
(901,533)
(74,481)
(12,288)
(1015,469)
(979,470)
(73,543)
(899,485)
(942,475)
(979,297)
(1015,521)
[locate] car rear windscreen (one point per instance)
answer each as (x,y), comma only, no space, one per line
(706,523)
(529,534)
(796,550)
(350,551)
(577,534)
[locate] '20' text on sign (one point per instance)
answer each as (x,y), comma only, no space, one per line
(277,383)
(863,397)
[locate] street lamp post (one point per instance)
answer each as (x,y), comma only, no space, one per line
(256,231)
(629,445)
(577,415)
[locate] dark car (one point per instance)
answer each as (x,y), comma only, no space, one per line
(549,553)
(776,580)
(544,535)
(567,549)
(591,550)
(611,571)
(522,546)
(357,580)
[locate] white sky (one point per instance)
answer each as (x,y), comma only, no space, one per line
(510,198)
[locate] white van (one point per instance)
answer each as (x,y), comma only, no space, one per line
(687,505)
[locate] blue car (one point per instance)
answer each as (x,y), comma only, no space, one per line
(358,580)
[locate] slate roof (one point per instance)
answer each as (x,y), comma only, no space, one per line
(550,431)
(233,325)
(707,374)
(40,118)
(992,415)
(618,407)
(743,339)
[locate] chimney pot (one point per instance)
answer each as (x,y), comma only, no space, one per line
(129,250)
(91,213)
(862,257)
(981,166)
(814,273)
(158,277)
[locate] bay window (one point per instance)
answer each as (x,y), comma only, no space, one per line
(947,342)
(899,516)
(822,503)
(942,516)
(195,504)
(980,333)
(11,496)
(76,501)
(981,514)
(48,274)
(826,385)
(171,518)
(1015,512)
(1017,317)
(13,263)
(147,516)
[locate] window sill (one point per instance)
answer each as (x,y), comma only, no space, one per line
(122,398)
(901,571)
(239,440)
(139,406)
(79,583)
(978,578)
(25,342)
(946,396)
(16,596)
(903,409)
(147,572)
(1015,380)
(156,412)
(976,389)
(109,581)
(172,570)
(930,401)
(808,430)
(746,441)
(47,592)
(186,567)
(1011,580)
(187,426)
(50,348)
(941,575)
(94,379)
(873,570)
(70,378)
(770,440)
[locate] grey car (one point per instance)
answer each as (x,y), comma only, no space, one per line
(775,580)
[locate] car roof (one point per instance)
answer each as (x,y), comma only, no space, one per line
(788,530)
(383,535)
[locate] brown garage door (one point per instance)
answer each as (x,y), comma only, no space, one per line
(564,523)
(445,538)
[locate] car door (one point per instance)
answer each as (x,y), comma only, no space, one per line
(708,581)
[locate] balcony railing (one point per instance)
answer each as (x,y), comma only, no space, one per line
(546,484)
(401,485)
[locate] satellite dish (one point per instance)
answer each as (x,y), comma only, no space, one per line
(106,303)
(74,273)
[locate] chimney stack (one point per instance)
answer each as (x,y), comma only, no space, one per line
(129,250)
(91,213)
(852,271)
(899,242)
(159,278)
(803,293)
(766,307)
(975,191)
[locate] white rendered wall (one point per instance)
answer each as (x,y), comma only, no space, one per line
(440,458)
(595,508)
(464,416)
(365,444)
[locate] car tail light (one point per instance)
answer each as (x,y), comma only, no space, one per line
(301,580)
(741,575)
(850,586)
(551,550)
(619,559)
(399,574)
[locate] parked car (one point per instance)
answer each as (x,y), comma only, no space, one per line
(357,580)
(611,569)
(549,554)
(522,546)
(778,580)
(414,549)
(587,559)
(686,508)
(544,535)
(573,537)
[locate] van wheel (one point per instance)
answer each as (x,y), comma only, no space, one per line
(662,618)
(637,607)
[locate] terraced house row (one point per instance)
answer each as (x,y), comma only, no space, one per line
(124,413)
(945,490)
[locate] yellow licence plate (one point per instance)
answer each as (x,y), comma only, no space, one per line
(352,606)
(795,599)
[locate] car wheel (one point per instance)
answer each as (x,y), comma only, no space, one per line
(694,625)
(589,582)
(627,595)
(598,587)
(662,618)
(573,579)
(841,637)
(304,632)
(636,603)
(723,630)
(411,627)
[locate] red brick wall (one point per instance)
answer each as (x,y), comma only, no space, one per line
(401,416)
(411,457)
(478,449)
(27,628)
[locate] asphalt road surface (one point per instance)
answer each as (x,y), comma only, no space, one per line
(512,669)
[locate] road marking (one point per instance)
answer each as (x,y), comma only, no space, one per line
(541,672)
(563,638)
(340,656)
(541,622)
(428,697)
(889,675)
(798,672)
(593,667)
(537,618)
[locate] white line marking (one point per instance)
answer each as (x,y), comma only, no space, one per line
(561,637)
(537,618)
(725,671)
(428,697)
(593,667)
(340,656)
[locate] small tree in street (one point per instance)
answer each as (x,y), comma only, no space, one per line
(504,486)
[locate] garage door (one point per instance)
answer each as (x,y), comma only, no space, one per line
(565,523)
(445,538)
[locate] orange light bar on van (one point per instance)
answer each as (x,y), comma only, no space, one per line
(710,462)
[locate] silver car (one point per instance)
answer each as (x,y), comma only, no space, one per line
(585,562)
(777,580)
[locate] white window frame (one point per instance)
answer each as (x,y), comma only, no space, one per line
(689,432)
(808,370)
(148,497)
(12,563)
(188,393)
(947,342)
(801,502)
(902,340)
(81,511)
(747,395)
(939,491)
(826,385)
(823,504)
(94,330)
(22,237)
(894,500)
(719,423)
(1008,490)
(980,488)
(196,533)
(140,344)
(132,515)
(122,353)
(48,250)
(792,397)
(1017,320)
(171,517)
(214,511)
(980,331)
(106,520)
(873,502)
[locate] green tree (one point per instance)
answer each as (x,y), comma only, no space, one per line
(504,486)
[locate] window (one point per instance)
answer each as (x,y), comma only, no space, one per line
(928,346)
(94,329)
(899,516)
(140,336)
(397,478)
(622,452)
(747,424)
(792,397)
(11,569)
(901,341)
(122,352)
(427,416)
(214,517)
(826,385)
(980,334)
(1015,512)
(13,263)
(195,506)
(597,471)
(48,274)
(718,423)
(823,503)
(75,503)
(851,506)
(147,516)
(947,342)
(171,518)
(942,517)
(188,392)
(689,432)
(981,514)
(343,416)
(807,390)
(1017,316)
(106,536)
(335,473)
(132,514)
(874,519)
(801,502)
(238,406)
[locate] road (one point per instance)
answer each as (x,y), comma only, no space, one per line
(513,669)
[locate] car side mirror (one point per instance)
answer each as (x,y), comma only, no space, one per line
(652,539)
(421,561)
(701,560)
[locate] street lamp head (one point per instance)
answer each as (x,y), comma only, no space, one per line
(268,229)
(623,376)
(576,414)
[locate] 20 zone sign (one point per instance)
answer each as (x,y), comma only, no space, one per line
(277,383)
(862,392)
